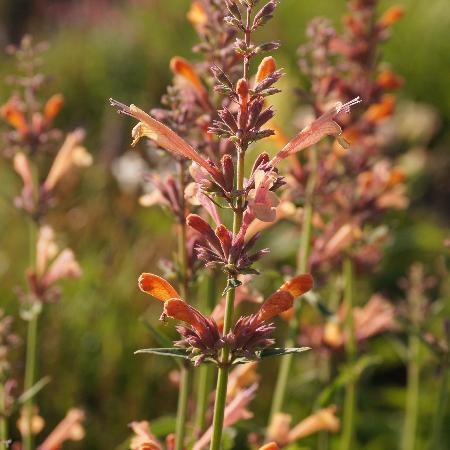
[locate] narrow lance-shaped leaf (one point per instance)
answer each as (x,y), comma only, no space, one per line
(171,351)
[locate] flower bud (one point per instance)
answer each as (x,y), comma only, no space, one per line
(267,67)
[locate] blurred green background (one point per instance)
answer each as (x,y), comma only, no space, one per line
(101,49)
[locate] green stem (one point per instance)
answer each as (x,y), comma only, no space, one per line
(413,368)
(183,397)
(183,394)
(441,406)
(412,395)
(3,420)
(350,391)
(31,344)
(222,378)
(30,373)
(204,384)
(302,266)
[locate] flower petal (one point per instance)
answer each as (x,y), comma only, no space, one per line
(314,132)
(64,159)
(180,310)
(184,69)
(67,429)
(164,137)
(298,285)
(267,67)
(157,287)
(53,106)
(324,419)
(277,303)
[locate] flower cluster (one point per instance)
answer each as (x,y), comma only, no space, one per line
(212,134)
(29,139)
(203,337)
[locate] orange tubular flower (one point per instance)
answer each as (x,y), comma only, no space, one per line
(197,15)
(184,69)
(165,138)
(317,130)
(53,106)
(388,80)
(251,332)
(381,110)
(202,337)
(13,115)
(391,16)
(157,287)
(267,67)
(282,299)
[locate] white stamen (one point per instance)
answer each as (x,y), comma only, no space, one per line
(346,106)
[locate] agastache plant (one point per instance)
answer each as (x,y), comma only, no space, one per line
(240,120)
(341,194)
(28,141)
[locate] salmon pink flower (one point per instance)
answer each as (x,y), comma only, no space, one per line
(52,265)
(197,15)
(262,201)
(71,153)
(69,429)
(165,138)
(143,438)
(26,199)
(376,317)
(322,420)
(317,130)
(240,377)
(184,71)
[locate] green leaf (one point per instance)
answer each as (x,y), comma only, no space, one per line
(162,426)
(171,351)
(269,352)
(314,300)
(353,371)
(274,351)
(232,283)
(38,386)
